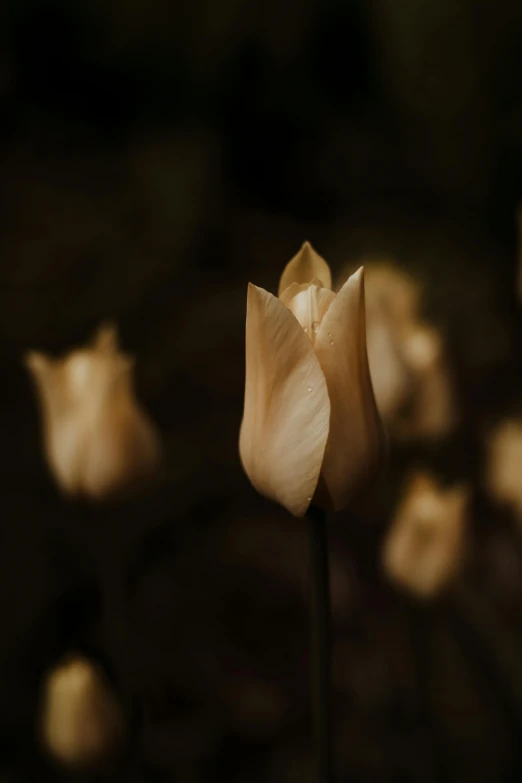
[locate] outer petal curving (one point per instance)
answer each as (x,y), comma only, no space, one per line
(304,267)
(356,446)
(287,409)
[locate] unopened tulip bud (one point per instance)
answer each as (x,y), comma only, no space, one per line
(97,439)
(424,548)
(81,723)
(310,427)
(504,465)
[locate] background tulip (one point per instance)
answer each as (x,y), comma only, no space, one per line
(97,439)
(504,465)
(310,425)
(425,544)
(81,722)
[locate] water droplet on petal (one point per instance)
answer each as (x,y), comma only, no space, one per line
(315,327)
(331,342)
(309,498)
(309,388)
(306,330)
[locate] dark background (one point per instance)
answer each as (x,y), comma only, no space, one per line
(154,157)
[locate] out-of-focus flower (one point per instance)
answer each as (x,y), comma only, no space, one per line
(97,439)
(430,412)
(392,291)
(310,427)
(504,465)
(81,722)
(424,548)
(407,358)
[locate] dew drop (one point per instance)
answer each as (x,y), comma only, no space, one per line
(331,342)
(315,327)
(309,388)
(309,497)
(306,330)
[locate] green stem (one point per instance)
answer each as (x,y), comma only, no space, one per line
(321,643)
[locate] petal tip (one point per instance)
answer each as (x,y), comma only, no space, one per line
(256,292)
(358,275)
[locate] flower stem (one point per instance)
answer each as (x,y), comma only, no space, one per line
(321,642)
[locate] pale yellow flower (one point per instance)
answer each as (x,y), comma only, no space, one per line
(504,465)
(310,427)
(80,722)
(425,545)
(96,437)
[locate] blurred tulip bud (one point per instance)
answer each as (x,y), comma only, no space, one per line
(81,723)
(504,465)
(407,358)
(392,292)
(310,427)
(97,439)
(430,413)
(425,545)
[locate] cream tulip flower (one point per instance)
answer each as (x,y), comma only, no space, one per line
(504,465)
(97,439)
(425,545)
(80,722)
(310,429)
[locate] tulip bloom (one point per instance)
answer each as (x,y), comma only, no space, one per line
(97,439)
(310,429)
(425,546)
(504,465)
(81,723)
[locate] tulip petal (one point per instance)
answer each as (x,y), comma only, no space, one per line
(357,442)
(287,410)
(303,267)
(310,306)
(293,289)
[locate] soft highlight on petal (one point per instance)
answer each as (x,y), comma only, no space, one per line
(304,267)
(287,410)
(357,442)
(310,306)
(295,288)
